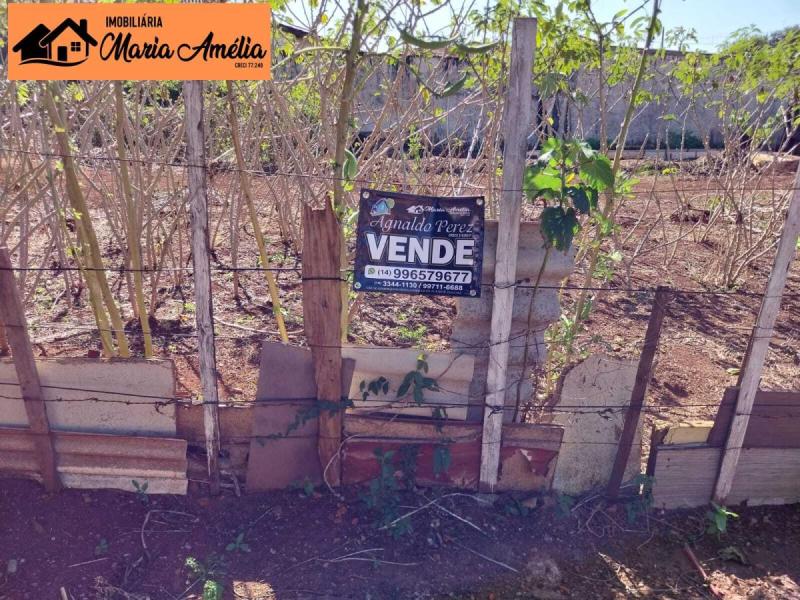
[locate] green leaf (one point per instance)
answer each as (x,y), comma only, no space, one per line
(597,172)
(559,226)
(418,398)
(539,178)
(23,93)
(580,199)
(451,89)
(350,166)
(429,383)
(721,520)
(406,383)
(412,40)
(477,48)
(427,90)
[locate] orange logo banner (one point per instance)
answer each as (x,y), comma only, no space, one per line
(139,41)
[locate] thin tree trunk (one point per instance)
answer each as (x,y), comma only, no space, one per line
(134,241)
(341,138)
(251,209)
(95,276)
(594,253)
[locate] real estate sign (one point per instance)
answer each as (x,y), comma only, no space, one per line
(50,41)
(412,244)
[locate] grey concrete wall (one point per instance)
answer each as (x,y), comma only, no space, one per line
(699,119)
(532,314)
(390,89)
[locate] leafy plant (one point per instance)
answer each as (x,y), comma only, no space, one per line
(412,334)
(208,573)
(409,453)
(718,518)
(374,388)
(307,414)
(212,590)
(383,495)
(417,382)
(238,544)
(641,502)
(567,178)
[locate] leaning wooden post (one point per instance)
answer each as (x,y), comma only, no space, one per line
(198,206)
(517,119)
(12,314)
(759,345)
(643,376)
(322,303)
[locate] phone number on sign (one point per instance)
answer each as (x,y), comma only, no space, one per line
(412,274)
(419,285)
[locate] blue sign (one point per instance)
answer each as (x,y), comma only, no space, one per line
(410,244)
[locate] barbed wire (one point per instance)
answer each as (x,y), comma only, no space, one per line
(141,399)
(229,168)
(523,283)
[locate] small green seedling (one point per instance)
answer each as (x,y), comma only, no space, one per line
(102,547)
(305,487)
(564,504)
(238,544)
(718,519)
(212,590)
(208,575)
(141,492)
(733,554)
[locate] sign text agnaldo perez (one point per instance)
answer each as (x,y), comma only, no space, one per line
(413,244)
(139,41)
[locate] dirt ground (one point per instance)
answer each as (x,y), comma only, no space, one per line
(108,545)
(115,545)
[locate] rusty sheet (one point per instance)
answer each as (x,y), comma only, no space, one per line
(527,456)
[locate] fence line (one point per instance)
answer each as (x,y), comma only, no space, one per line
(216,168)
(520,283)
(146,400)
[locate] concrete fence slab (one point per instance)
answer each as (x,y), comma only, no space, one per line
(126,397)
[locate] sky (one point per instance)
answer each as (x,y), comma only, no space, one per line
(713,20)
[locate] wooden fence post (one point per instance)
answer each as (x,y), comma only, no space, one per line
(517,120)
(198,206)
(12,314)
(643,375)
(758,346)
(322,305)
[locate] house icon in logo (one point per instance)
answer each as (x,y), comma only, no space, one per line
(65,46)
